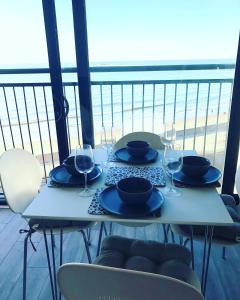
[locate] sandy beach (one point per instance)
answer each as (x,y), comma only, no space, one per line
(207,138)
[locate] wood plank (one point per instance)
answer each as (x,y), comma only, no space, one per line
(35,284)
(10,234)
(6,215)
(11,269)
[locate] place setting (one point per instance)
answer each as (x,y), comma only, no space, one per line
(132,197)
(197,171)
(187,171)
(136,152)
(78,170)
(131,191)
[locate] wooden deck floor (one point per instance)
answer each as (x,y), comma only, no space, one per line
(223,281)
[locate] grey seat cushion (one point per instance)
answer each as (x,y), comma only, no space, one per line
(179,270)
(229,233)
(148,256)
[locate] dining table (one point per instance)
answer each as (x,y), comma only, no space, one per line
(195,206)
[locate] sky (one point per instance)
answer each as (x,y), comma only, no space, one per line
(126,30)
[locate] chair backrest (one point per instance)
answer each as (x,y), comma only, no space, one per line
(21,176)
(152,138)
(237,180)
(93,282)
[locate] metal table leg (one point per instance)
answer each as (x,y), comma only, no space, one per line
(165,233)
(61,254)
(192,248)
(206,259)
(54,263)
(49,264)
(210,235)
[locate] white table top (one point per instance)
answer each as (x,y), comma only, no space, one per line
(195,206)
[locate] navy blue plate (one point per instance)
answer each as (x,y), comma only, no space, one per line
(211,177)
(61,176)
(123,155)
(110,201)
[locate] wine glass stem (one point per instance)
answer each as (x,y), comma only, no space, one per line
(85,181)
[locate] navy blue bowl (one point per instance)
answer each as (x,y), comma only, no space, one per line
(68,163)
(134,190)
(137,148)
(195,166)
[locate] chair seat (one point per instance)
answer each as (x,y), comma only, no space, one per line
(56,225)
(224,235)
(171,260)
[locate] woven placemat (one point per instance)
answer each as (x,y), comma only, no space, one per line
(155,175)
(112,157)
(95,207)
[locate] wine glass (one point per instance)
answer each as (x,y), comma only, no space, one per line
(108,139)
(172,163)
(168,135)
(84,164)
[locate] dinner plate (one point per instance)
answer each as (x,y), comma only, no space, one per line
(110,201)
(211,177)
(61,176)
(123,155)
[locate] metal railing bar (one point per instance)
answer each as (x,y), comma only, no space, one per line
(206,120)
(119,82)
(8,116)
(122,109)
(28,124)
(132,106)
(39,132)
(185,115)
(164,103)
(101,99)
(112,104)
(153,107)
(67,121)
(3,138)
(196,115)
(229,110)
(175,67)
(143,103)
(77,116)
(169,81)
(24,71)
(25,84)
(49,131)
(18,117)
(217,123)
(175,103)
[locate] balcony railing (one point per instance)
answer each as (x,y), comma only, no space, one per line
(134,99)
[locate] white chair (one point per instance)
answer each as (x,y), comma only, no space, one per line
(92,282)
(21,177)
(149,137)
